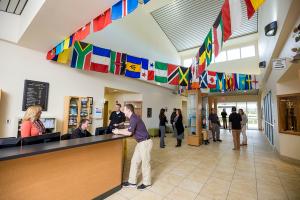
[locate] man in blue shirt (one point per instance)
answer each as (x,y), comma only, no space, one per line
(142,151)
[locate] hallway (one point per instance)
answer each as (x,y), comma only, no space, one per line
(216,172)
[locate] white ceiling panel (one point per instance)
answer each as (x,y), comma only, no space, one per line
(187,22)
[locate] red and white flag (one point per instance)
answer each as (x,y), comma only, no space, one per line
(211,79)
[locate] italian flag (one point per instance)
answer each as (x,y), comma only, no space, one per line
(161,72)
(231,17)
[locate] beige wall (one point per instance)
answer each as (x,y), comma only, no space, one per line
(18,63)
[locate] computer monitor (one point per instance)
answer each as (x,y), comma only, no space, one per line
(9,142)
(101,131)
(49,137)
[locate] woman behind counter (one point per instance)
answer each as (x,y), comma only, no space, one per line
(31,123)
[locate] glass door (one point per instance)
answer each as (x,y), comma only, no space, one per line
(251,112)
(269,126)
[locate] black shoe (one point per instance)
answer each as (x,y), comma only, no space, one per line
(219,140)
(214,140)
(127,184)
(162,147)
(142,187)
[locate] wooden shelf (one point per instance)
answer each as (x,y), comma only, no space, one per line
(78,105)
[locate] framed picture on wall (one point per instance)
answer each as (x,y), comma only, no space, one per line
(149,112)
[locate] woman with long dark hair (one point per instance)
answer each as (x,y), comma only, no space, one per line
(179,127)
(162,127)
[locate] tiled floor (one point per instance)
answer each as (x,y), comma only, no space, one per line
(216,171)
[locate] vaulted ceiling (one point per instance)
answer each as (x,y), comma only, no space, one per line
(187,22)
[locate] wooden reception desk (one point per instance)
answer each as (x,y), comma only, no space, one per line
(84,168)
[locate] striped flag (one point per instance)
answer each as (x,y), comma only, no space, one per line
(173,76)
(218,34)
(161,72)
(100,59)
(231,17)
(211,79)
(252,6)
(115,62)
(123,8)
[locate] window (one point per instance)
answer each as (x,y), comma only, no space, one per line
(233,54)
(248,51)
(187,62)
(221,57)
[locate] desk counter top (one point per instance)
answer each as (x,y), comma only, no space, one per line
(29,150)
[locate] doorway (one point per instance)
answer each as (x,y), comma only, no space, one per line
(184,112)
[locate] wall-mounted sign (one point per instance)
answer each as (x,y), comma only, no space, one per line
(279,63)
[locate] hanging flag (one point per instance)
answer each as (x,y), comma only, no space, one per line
(252,6)
(208,48)
(231,17)
(242,81)
(146,1)
(218,34)
(59,48)
(102,21)
(123,63)
(254,82)
(115,62)
(211,79)
(151,71)
(147,72)
(161,72)
(51,54)
(183,76)
(100,59)
(194,78)
(133,67)
(82,53)
(220,81)
(82,33)
(173,76)
(66,43)
(63,57)
(228,82)
(248,82)
(123,8)
(235,85)
(203,80)
(202,59)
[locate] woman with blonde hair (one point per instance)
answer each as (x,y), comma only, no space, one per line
(31,124)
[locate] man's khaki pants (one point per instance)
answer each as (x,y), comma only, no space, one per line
(142,153)
(236,138)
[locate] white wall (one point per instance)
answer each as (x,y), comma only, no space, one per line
(18,63)
(287,145)
(13,26)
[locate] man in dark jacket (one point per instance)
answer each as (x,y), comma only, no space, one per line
(81,131)
(116,119)
(235,125)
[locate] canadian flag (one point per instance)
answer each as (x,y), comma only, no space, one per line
(211,79)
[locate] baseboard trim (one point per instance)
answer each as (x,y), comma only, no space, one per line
(108,193)
(287,159)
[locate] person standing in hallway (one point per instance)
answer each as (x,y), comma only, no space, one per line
(117,118)
(173,115)
(244,126)
(235,126)
(214,124)
(162,127)
(224,118)
(179,127)
(142,151)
